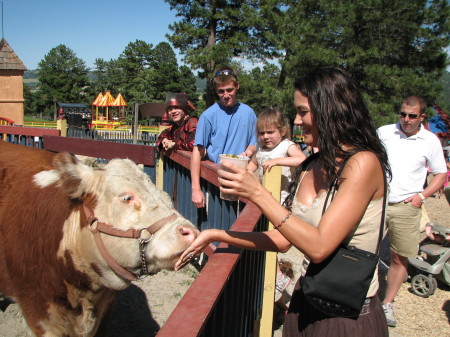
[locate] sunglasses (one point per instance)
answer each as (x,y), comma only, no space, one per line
(411,116)
(225,72)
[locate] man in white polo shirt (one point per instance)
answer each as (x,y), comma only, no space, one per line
(411,150)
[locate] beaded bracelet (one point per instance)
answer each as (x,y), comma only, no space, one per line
(283,220)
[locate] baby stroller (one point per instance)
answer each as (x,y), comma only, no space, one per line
(433,262)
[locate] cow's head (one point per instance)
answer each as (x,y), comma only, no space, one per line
(122,196)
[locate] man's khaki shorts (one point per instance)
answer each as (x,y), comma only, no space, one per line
(403,222)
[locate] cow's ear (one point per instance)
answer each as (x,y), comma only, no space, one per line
(76,178)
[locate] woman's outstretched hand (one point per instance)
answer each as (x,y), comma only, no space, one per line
(238,181)
(195,249)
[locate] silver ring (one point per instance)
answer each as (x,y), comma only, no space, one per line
(190,255)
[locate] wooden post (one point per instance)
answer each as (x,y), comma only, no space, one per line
(160,163)
(61,124)
(271,181)
(55,109)
(135,122)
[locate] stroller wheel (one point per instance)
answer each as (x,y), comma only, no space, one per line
(423,285)
(434,282)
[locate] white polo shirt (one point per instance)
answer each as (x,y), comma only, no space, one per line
(410,158)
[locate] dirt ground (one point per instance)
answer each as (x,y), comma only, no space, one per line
(146,305)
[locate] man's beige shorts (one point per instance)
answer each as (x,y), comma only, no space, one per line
(403,222)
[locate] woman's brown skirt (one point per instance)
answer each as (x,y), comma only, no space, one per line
(305,320)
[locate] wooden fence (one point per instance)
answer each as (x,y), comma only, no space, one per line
(26,136)
(142,137)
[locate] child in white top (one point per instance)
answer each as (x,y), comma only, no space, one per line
(274,148)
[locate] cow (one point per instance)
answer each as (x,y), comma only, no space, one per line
(71,236)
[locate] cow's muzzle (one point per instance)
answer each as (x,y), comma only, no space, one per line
(144,235)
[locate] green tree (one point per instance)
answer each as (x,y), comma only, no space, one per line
(165,75)
(136,57)
(107,75)
(145,74)
(391,48)
(162,54)
(170,77)
(63,78)
(188,85)
(444,99)
(133,62)
(258,88)
(211,33)
(28,100)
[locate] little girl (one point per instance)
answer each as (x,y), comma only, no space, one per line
(274,148)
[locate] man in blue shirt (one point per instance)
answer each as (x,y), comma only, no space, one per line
(227,127)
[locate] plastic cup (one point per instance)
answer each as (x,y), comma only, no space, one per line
(241,161)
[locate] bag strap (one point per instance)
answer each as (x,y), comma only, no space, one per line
(383,211)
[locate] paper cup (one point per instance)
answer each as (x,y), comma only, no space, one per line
(241,161)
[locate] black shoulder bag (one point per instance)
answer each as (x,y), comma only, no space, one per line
(338,285)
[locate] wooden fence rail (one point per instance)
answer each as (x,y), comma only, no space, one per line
(26,136)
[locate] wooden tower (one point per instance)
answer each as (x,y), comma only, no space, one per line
(11,84)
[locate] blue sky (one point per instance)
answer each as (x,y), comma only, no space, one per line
(92,29)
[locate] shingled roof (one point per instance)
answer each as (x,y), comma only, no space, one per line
(8,58)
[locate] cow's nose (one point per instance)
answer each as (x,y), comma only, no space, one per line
(188,233)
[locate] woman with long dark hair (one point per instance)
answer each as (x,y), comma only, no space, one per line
(350,163)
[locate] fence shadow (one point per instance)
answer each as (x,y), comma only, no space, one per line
(131,315)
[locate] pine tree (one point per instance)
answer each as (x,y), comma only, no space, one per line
(212,33)
(391,48)
(63,78)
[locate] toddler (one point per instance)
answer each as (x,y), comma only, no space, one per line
(274,148)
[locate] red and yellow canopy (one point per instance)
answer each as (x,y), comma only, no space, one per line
(119,101)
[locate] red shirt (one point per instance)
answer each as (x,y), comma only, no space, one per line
(183,135)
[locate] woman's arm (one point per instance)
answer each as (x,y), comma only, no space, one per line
(362,181)
(267,241)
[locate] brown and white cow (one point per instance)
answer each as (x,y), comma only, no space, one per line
(56,213)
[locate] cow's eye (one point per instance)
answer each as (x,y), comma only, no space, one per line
(126,197)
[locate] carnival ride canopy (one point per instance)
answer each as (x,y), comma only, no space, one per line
(119,101)
(108,100)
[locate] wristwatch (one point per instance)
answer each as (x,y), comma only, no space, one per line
(422,197)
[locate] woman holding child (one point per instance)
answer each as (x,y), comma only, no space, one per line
(333,117)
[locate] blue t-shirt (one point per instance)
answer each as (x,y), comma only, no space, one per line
(226,130)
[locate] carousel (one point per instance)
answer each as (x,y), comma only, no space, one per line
(108,113)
